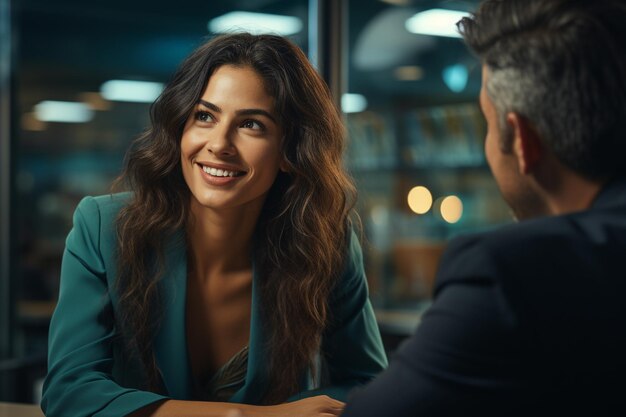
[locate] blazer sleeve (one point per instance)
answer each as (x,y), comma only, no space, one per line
(460,359)
(352,351)
(80,351)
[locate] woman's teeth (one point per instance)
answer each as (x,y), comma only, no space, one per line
(219,172)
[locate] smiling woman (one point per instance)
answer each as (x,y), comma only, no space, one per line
(228,275)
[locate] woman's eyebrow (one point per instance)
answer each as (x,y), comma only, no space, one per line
(252,112)
(244,112)
(210,106)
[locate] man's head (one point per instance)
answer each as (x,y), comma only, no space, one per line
(554,71)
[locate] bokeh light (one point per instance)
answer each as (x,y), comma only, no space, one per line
(420,199)
(451,209)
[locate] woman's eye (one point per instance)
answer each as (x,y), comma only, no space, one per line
(252,124)
(203,116)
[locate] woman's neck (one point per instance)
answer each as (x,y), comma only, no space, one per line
(221,240)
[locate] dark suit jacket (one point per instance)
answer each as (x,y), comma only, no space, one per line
(526,320)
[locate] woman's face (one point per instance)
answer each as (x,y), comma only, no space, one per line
(230,147)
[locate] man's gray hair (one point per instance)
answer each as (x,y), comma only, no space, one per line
(561,64)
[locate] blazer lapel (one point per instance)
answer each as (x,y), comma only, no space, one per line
(171,339)
(252,390)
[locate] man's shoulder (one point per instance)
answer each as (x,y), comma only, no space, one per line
(592,227)
(534,235)
(536,247)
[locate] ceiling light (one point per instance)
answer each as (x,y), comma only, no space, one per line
(384,43)
(436,22)
(256,23)
(63,111)
(133,91)
(353,103)
(455,77)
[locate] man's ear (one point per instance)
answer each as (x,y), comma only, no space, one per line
(527,145)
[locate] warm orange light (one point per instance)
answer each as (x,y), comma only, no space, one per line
(420,199)
(451,209)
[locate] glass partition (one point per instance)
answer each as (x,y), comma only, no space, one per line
(416,145)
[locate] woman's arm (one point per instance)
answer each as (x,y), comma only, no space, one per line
(82,333)
(308,407)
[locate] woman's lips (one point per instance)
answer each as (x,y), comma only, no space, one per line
(219,176)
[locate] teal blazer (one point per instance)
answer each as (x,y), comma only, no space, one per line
(88,374)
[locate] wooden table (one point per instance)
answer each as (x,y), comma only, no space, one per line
(20,410)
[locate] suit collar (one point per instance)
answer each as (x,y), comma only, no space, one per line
(612,193)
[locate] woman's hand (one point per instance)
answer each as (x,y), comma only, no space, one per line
(320,406)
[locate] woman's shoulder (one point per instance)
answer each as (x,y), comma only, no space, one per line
(100,212)
(353,271)
(94,223)
(106,205)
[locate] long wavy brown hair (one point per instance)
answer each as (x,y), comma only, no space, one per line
(302,234)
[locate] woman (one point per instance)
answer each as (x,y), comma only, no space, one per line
(230,272)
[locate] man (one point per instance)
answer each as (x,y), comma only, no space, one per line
(530,319)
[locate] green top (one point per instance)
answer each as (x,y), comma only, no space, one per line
(88,374)
(227,380)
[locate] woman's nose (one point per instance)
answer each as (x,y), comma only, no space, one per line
(220,142)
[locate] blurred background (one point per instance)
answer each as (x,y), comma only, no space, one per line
(76,82)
